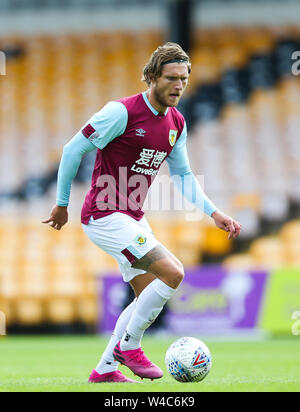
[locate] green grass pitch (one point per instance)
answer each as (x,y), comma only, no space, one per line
(63,364)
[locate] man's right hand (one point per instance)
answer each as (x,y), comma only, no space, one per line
(58,217)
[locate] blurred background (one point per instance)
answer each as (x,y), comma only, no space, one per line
(64,60)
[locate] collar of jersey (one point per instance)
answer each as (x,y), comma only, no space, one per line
(150,106)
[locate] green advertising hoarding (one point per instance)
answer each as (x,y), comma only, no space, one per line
(281,307)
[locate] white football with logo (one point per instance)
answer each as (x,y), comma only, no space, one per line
(188,360)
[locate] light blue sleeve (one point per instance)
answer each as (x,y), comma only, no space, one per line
(178,160)
(183,177)
(69,165)
(109,123)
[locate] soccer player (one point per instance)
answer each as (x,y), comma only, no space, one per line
(134,135)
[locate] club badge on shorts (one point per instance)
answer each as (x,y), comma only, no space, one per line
(140,240)
(172,137)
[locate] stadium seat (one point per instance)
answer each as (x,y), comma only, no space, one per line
(206,67)
(60,311)
(215,241)
(290,232)
(88,310)
(29,311)
(241,261)
(267,251)
(7,307)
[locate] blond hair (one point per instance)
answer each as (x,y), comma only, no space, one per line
(168,53)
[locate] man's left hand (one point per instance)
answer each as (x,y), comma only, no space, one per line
(227,224)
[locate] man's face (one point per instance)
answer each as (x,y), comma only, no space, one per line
(169,87)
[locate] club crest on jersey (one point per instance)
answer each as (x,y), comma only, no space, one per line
(172,137)
(140,240)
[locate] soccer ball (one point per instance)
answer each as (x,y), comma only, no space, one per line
(188,360)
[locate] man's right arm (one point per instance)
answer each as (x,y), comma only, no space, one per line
(102,128)
(68,167)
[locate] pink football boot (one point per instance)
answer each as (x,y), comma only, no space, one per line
(116,376)
(137,362)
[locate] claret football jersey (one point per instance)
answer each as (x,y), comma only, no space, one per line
(133,140)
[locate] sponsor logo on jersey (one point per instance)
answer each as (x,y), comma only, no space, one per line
(142,170)
(172,137)
(140,132)
(150,158)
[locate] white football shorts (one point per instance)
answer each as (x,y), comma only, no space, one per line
(124,238)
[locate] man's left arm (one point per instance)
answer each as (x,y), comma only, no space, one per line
(188,185)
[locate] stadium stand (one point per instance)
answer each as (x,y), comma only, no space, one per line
(243,115)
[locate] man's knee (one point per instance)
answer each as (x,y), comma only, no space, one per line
(175,275)
(161,263)
(179,274)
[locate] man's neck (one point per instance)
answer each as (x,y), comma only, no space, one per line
(154,103)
